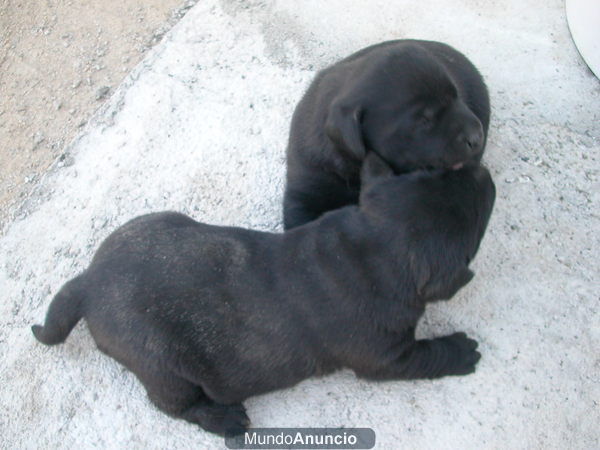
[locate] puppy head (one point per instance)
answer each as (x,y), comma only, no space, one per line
(406,107)
(437,217)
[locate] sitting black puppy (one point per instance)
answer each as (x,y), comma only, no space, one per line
(417,104)
(208,316)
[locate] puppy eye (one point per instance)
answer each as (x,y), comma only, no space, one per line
(428,114)
(426,117)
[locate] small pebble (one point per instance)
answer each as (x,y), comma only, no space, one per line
(102,92)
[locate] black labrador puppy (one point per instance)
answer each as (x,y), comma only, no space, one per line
(417,104)
(207,316)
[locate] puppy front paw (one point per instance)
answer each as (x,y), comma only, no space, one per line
(462,354)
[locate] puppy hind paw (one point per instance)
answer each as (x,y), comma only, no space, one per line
(224,420)
(236,422)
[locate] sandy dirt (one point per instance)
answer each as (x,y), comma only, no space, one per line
(59,61)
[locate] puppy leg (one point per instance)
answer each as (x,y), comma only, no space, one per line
(431,358)
(182,399)
(296,212)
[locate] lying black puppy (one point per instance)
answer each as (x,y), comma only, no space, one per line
(417,104)
(208,316)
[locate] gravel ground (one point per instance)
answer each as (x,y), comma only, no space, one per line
(59,61)
(200,126)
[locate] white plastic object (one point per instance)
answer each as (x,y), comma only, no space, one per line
(583,17)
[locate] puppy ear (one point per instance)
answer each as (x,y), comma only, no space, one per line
(421,273)
(343,127)
(373,168)
(431,287)
(460,279)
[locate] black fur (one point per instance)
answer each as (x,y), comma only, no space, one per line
(416,103)
(208,316)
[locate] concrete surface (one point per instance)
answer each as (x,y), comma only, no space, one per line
(200,126)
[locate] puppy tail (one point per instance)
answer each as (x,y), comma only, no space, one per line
(63,314)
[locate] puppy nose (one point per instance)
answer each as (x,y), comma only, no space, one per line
(472,140)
